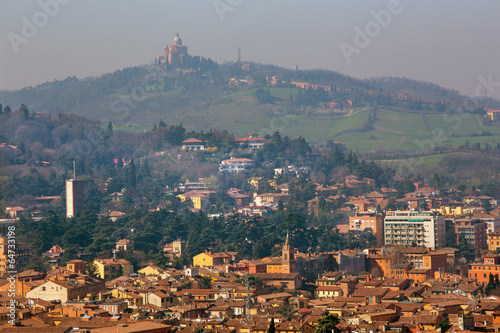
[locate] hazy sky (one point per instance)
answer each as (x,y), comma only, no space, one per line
(454,43)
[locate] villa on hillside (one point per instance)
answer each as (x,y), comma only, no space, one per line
(236,165)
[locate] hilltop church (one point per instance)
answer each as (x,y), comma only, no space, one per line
(175,54)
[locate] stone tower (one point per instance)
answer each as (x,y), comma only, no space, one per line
(287,257)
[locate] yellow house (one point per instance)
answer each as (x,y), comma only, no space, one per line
(199,198)
(328,291)
(183,197)
(108,269)
(446,210)
(493,241)
(125,244)
(274,267)
(338,312)
(271,198)
(197,202)
(240,292)
(211,259)
(384,315)
(133,297)
(151,271)
(257,182)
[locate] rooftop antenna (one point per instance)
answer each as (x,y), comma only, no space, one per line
(74,170)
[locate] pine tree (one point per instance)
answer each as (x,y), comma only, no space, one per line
(444,324)
(328,324)
(119,163)
(271,328)
(132,180)
(490,286)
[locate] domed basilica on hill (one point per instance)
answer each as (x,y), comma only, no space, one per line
(175,54)
(176,57)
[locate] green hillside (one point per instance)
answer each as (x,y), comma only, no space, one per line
(367,116)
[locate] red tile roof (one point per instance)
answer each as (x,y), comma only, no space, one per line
(192,140)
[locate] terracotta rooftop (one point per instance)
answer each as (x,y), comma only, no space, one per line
(192,140)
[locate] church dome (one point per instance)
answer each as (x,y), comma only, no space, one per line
(177,40)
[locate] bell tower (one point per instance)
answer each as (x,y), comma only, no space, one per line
(287,257)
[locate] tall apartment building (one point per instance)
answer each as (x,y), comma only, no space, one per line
(414,228)
(474,232)
(13,262)
(74,197)
(369,220)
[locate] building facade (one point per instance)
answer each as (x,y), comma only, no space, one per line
(474,232)
(211,259)
(109,269)
(193,144)
(481,271)
(236,165)
(493,241)
(17,259)
(369,220)
(414,228)
(175,54)
(74,197)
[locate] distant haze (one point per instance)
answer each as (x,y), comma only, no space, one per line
(454,43)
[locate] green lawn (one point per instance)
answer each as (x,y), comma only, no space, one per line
(392,130)
(424,161)
(132,127)
(283,93)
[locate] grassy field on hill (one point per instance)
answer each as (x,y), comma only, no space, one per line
(410,132)
(134,102)
(240,114)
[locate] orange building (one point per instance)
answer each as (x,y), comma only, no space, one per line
(397,265)
(379,265)
(435,261)
(25,281)
(387,266)
(274,267)
(481,271)
(287,262)
(420,274)
(257,267)
(369,220)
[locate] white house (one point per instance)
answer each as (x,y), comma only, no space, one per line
(192,271)
(193,144)
(236,165)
